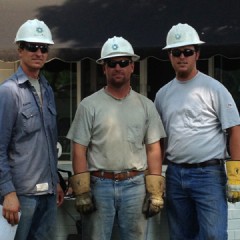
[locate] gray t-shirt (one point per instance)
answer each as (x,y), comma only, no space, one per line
(195,115)
(116,131)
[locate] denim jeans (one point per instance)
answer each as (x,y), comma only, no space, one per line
(120,200)
(38,218)
(196,203)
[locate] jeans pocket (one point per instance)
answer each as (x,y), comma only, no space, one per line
(138,180)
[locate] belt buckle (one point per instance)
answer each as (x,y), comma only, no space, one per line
(120,176)
(116,177)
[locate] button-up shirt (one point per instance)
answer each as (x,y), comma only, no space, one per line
(28,137)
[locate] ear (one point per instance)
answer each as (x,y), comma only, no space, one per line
(197,54)
(20,50)
(103,68)
(132,67)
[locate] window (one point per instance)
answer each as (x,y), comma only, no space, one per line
(227,71)
(62,77)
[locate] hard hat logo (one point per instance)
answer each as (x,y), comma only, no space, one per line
(117,47)
(114,46)
(39,30)
(182,35)
(177,36)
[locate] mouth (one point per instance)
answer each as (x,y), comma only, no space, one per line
(117,74)
(182,63)
(37,60)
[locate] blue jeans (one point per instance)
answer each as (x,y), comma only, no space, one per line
(196,203)
(38,217)
(120,200)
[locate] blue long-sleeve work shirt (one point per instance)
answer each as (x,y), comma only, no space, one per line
(28,137)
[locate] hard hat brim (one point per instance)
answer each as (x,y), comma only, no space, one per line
(133,56)
(175,45)
(34,40)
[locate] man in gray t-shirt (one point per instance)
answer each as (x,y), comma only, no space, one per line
(116,136)
(197,111)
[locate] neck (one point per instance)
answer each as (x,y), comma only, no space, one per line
(118,93)
(32,73)
(184,76)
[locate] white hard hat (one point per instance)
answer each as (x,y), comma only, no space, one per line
(117,47)
(182,35)
(34,31)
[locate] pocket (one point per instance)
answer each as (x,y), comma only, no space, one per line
(135,138)
(193,117)
(31,120)
(138,180)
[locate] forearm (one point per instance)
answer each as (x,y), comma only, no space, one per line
(154,158)
(79,158)
(234,142)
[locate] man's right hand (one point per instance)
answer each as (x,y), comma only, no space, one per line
(84,203)
(81,187)
(11,207)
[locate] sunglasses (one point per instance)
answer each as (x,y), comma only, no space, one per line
(121,63)
(33,47)
(186,52)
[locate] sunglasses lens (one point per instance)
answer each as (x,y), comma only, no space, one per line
(34,47)
(176,52)
(122,63)
(186,52)
(111,64)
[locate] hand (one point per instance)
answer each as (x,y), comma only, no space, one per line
(81,187)
(11,207)
(60,195)
(153,202)
(152,205)
(233,184)
(84,203)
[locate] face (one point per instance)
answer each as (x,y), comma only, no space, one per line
(118,71)
(33,56)
(184,60)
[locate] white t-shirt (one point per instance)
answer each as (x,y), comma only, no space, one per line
(195,115)
(116,131)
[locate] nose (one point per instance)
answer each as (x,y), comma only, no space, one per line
(38,51)
(182,55)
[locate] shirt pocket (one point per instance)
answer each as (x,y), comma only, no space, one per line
(31,120)
(135,138)
(193,118)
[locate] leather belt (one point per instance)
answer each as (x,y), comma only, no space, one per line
(116,176)
(212,162)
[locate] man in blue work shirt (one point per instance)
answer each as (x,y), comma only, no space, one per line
(28,152)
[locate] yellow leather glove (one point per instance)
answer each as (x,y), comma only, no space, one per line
(153,202)
(233,184)
(84,202)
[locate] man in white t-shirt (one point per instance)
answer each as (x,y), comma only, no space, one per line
(116,136)
(197,112)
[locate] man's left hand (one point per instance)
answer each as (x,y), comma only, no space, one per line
(153,202)
(233,184)
(60,195)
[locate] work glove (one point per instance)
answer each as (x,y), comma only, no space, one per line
(233,184)
(153,202)
(84,202)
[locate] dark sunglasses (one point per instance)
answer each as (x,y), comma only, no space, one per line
(121,63)
(33,47)
(186,52)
